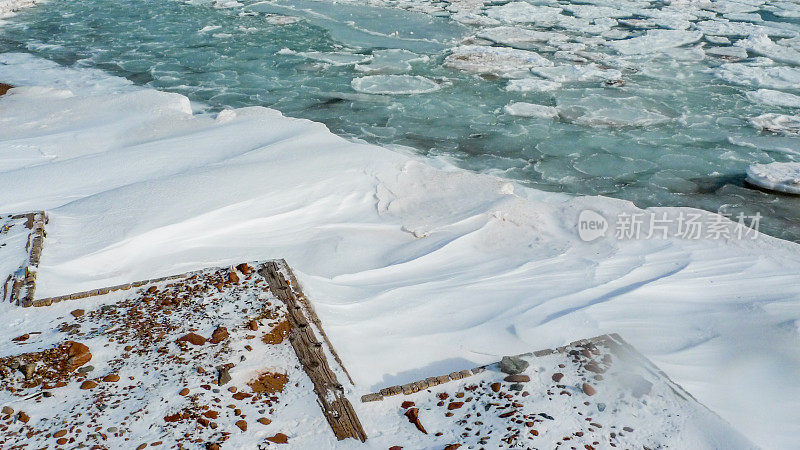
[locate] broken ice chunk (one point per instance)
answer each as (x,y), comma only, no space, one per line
(394,85)
(500,61)
(774,98)
(782,177)
(654,41)
(777,123)
(523,109)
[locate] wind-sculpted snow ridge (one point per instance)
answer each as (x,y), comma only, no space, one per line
(415,268)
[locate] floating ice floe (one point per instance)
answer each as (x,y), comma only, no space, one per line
(523,109)
(774,98)
(602,110)
(780,77)
(500,61)
(391,61)
(727,28)
(777,123)
(519,37)
(568,73)
(595,12)
(523,12)
(532,85)
(727,52)
(781,177)
(337,58)
(655,41)
(763,45)
(479,20)
(278,19)
(394,85)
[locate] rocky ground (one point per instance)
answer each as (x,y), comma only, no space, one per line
(589,396)
(195,363)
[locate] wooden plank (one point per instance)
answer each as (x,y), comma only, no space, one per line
(305,327)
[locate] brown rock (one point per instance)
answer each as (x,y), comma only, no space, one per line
(253,325)
(396,447)
(89,384)
(22,417)
(111,378)
(184,392)
(172,417)
(517,378)
(24,337)
(5,88)
(233,278)
(78,355)
(407,404)
(193,338)
(7,410)
(495,387)
(558,376)
(219,335)
(455,405)
(587,389)
(279,438)
(263,421)
(242,425)
(413,417)
(244,268)
(212,446)
(61,441)
(152,290)
(77,313)
(278,333)
(241,395)
(452,447)
(60,433)
(210,414)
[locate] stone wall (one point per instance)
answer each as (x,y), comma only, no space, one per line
(416,386)
(20,287)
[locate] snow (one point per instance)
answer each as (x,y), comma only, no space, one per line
(415,268)
(394,84)
(782,177)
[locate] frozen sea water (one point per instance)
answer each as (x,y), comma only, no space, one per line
(658,103)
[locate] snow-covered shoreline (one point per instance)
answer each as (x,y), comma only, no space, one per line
(416,268)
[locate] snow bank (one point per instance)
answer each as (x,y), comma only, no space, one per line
(415,270)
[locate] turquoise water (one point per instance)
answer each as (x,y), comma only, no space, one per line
(694,155)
